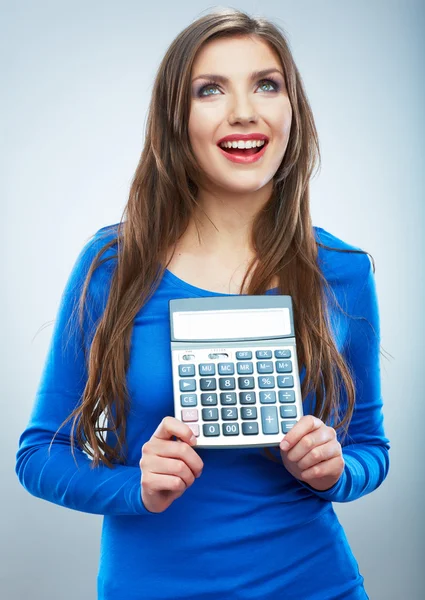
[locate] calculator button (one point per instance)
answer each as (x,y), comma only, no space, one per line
(188,400)
(229,414)
(266,382)
(207,369)
(186,370)
(226,368)
(195,428)
(230,429)
(208,384)
(248,413)
(250,428)
(211,429)
(190,414)
(246,383)
(282,354)
(245,368)
(244,355)
(210,414)
(285,381)
(263,354)
(247,397)
(187,385)
(227,384)
(228,398)
(265,367)
(269,419)
(287,396)
(267,397)
(208,399)
(284,366)
(288,412)
(287,426)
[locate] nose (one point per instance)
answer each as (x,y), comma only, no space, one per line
(242,111)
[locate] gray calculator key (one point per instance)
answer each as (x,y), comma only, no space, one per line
(229,414)
(266,382)
(230,429)
(244,355)
(245,368)
(226,368)
(186,370)
(287,426)
(284,366)
(250,428)
(265,366)
(210,414)
(288,412)
(282,354)
(211,429)
(227,384)
(247,397)
(188,400)
(246,383)
(286,396)
(208,383)
(268,397)
(207,369)
(248,413)
(208,399)
(187,385)
(269,419)
(229,398)
(285,381)
(263,354)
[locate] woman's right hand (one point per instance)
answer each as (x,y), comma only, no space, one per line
(168,466)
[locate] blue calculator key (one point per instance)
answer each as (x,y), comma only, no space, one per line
(187,385)
(208,399)
(247,397)
(188,400)
(248,413)
(287,396)
(284,366)
(186,370)
(284,381)
(263,354)
(287,426)
(230,429)
(211,429)
(207,369)
(246,383)
(250,428)
(229,398)
(288,412)
(244,355)
(229,414)
(267,397)
(208,384)
(265,367)
(266,382)
(269,420)
(210,414)
(226,368)
(227,384)
(245,368)
(282,354)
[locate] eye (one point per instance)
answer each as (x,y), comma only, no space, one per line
(214,85)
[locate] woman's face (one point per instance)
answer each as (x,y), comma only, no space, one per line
(238,102)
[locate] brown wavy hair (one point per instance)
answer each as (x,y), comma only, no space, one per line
(161,203)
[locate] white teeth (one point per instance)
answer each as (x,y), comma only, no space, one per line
(242,144)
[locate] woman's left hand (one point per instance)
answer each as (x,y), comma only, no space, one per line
(312,453)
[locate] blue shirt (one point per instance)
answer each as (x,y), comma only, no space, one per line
(246,528)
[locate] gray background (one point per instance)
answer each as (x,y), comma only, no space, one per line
(77,78)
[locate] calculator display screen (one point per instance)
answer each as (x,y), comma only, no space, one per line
(231,324)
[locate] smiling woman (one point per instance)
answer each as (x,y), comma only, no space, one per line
(219,205)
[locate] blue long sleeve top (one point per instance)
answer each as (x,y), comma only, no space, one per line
(246,528)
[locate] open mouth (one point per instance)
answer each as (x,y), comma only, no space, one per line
(244,151)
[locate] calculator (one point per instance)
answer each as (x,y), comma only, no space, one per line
(234,369)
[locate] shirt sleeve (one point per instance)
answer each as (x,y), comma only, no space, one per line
(365,448)
(52,474)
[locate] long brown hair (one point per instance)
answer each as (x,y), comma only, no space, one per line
(160,206)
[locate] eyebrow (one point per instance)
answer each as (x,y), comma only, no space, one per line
(254,75)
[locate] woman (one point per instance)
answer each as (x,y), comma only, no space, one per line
(181,522)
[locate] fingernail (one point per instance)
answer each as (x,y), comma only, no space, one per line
(193,440)
(284,445)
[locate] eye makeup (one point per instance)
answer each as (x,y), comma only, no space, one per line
(198,92)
